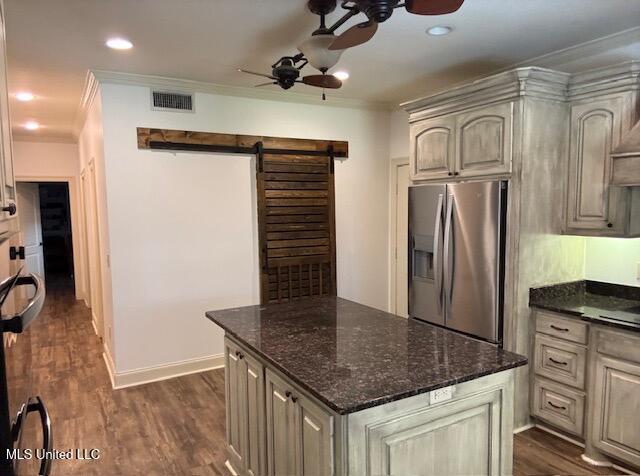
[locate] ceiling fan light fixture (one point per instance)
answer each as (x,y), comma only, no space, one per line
(316,50)
(341,75)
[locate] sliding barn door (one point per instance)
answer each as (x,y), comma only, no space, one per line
(296,226)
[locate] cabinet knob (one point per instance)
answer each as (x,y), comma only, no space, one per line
(609,225)
(456,173)
(287,394)
(294,399)
(11,208)
(450,174)
(241,356)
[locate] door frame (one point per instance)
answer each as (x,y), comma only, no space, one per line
(78,244)
(394,164)
(89,186)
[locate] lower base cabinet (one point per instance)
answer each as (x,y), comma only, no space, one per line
(587,384)
(299,432)
(615,423)
(244,392)
(274,428)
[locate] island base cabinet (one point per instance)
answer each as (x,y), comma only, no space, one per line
(616,422)
(275,428)
(469,434)
(244,391)
(299,432)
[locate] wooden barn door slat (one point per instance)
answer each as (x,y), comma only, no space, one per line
(296,226)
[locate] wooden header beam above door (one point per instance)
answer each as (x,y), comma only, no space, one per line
(170,139)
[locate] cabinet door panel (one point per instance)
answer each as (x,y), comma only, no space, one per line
(617,409)
(596,128)
(314,430)
(485,140)
(281,449)
(235,394)
(429,441)
(432,149)
(254,422)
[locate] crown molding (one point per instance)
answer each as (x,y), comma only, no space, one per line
(622,77)
(559,58)
(531,82)
(89,92)
(187,85)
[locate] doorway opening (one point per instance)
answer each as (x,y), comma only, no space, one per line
(46,232)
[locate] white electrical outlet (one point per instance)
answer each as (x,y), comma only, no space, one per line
(441,395)
(638,271)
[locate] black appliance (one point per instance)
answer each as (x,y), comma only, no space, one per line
(23,416)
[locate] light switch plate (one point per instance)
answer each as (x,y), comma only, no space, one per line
(441,395)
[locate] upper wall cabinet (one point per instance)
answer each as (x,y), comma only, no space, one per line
(432,149)
(596,127)
(484,137)
(602,110)
(8,221)
(475,143)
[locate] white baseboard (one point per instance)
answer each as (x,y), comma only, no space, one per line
(93,324)
(106,355)
(132,378)
(523,428)
(559,435)
(227,465)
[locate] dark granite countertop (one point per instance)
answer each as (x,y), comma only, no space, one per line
(605,303)
(353,357)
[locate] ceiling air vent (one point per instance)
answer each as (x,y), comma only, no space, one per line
(171,101)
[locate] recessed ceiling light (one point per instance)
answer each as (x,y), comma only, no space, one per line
(24,96)
(119,44)
(31,125)
(341,75)
(439,30)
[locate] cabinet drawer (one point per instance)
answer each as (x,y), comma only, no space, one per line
(558,405)
(559,360)
(566,328)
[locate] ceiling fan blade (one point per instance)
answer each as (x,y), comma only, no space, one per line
(257,74)
(432,7)
(327,81)
(354,36)
(265,84)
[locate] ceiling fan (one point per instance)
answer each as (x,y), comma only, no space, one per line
(286,73)
(377,11)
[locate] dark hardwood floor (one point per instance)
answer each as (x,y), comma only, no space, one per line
(174,427)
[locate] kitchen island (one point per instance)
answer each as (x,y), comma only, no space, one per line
(330,387)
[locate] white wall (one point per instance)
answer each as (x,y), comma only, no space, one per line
(38,159)
(182,227)
(613,260)
(399,135)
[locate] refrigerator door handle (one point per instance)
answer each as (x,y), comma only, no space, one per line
(437,265)
(448,242)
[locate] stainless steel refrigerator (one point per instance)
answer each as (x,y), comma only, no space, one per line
(456,256)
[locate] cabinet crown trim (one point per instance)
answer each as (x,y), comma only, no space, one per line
(531,81)
(622,77)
